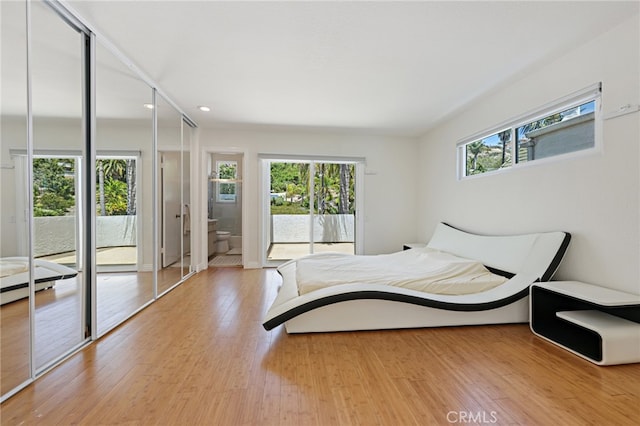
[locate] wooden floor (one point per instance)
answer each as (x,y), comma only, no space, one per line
(199,356)
(58,318)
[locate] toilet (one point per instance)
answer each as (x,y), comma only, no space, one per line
(222,244)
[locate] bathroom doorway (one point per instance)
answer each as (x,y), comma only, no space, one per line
(224,208)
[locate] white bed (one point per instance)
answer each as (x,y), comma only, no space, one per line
(372,304)
(14,279)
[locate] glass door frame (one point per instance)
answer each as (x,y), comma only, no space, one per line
(265,198)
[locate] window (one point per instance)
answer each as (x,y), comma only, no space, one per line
(560,133)
(564,127)
(489,153)
(226,181)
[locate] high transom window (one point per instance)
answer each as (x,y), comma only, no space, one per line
(562,128)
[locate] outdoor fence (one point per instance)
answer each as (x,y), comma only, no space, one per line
(57,234)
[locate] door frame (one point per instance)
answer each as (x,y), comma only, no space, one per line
(206,152)
(163,219)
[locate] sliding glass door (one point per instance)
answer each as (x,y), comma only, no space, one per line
(333,214)
(311,208)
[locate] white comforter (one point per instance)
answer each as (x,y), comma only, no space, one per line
(421,269)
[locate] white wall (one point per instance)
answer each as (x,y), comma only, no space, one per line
(12,136)
(390,195)
(595,197)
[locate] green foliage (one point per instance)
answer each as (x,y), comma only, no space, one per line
(113,168)
(118,193)
(115,194)
(288,208)
(227,171)
(482,158)
(53,186)
(333,184)
(227,188)
(51,204)
(283,174)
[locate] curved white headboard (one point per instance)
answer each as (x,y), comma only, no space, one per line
(536,254)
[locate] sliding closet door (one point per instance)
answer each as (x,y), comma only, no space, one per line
(170,203)
(124,190)
(57,77)
(15,334)
(186,199)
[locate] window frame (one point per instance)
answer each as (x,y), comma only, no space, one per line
(587,95)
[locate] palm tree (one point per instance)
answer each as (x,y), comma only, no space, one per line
(123,170)
(345,175)
(474,148)
(322,191)
(505,138)
(131,186)
(303,179)
(100,168)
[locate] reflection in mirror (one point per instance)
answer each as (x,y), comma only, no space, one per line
(58,165)
(170,203)
(124,204)
(14,251)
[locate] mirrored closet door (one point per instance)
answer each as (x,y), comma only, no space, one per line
(89,216)
(15,335)
(174,225)
(124,191)
(58,82)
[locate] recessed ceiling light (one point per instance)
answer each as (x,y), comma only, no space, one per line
(148,106)
(204,108)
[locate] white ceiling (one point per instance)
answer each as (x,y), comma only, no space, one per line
(384,67)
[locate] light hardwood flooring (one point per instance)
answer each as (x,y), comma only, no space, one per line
(58,318)
(199,356)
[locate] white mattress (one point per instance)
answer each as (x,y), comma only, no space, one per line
(12,267)
(422,269)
